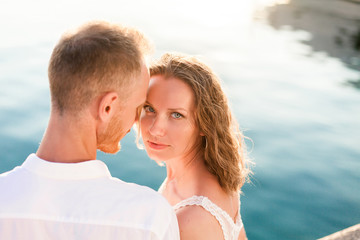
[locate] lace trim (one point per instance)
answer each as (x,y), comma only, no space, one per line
(216,211)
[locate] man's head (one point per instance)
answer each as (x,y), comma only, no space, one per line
(100,64)
(125,115)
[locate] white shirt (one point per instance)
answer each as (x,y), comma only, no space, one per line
(46,200)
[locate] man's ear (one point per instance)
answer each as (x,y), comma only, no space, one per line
(107,106)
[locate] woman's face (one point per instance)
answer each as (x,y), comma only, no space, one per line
(167,121)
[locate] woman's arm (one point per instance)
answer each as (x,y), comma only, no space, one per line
(197,223)
(242,235)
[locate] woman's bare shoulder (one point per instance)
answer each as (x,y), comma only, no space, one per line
(197,223)
(242,235)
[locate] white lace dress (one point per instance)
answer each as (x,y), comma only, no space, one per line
(230,228)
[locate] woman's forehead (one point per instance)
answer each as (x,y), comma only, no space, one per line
(172,92)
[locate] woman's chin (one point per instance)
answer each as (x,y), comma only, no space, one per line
(160,161)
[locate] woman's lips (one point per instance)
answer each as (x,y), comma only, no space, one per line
(157,146)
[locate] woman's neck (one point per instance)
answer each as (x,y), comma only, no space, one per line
(186,177)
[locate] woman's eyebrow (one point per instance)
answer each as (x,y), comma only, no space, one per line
(176,109)
(169,109)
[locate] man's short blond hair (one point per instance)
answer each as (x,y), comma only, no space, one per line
(97,58)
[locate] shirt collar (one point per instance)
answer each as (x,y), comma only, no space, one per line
(74,171)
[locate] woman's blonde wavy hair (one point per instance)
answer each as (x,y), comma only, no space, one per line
(222,142)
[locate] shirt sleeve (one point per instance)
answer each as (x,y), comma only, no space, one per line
(172,231)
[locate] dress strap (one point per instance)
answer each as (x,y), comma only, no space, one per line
(194,200)
(230,228)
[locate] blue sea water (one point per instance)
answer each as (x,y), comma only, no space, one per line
(294,99)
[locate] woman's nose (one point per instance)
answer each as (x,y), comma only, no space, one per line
(158,127)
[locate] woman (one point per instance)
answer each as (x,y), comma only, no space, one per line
(187,124)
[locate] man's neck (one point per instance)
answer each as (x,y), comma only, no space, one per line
(67,140)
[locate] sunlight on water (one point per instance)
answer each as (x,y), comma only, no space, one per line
(271,2)
(46,20)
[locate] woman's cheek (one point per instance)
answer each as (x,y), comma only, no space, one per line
(144,124)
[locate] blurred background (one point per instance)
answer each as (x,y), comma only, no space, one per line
(291,70)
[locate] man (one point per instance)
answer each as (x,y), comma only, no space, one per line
(98,81)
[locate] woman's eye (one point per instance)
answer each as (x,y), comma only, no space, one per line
(148,108)
(176,115)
